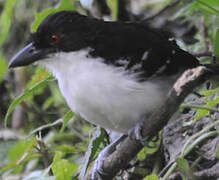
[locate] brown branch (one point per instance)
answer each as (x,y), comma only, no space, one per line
(41,148)
(128,149)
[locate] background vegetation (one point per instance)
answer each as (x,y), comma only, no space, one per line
(40,138)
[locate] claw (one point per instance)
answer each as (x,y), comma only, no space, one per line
(98,171)
(136,132)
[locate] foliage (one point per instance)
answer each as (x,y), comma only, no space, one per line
(5,19)
(151,149)
(62,169)
(208,103)
(64,5)
(27,93)
(113,5)
(208,6)
(19,154)
(93,147)
(3,67)
(67,143)
(218,152)
(216,43)
(5,24)
(66,119)
(183,167)
(152,177)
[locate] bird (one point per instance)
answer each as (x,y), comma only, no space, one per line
(111,73)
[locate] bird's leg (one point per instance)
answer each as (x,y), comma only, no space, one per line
(136,132)
(98,165)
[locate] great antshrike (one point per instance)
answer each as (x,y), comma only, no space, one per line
(111,73)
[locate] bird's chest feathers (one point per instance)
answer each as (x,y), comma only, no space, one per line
(101,93)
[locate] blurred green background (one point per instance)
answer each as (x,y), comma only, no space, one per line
(40,138)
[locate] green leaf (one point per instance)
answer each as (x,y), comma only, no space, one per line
(56,94)
(154,146)
(5,146)
(66,149)
(208,93)
(145,151)
(62,168)
(212,102)
(113,5)
(208,6)
(39,17)
(47,103)
(183,166)
(21,147)
(21,153)
(26,94)
(211,3)
(66,118)
(3,67)
(201,113)
(142,154)
(39,74)
(151,177)
(218,152)
(93,147)
(216,43)
(5,19)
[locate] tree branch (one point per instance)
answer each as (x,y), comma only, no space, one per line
(128,149)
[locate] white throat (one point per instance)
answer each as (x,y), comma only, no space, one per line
(103,94)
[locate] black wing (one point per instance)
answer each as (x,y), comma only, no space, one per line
(139,49)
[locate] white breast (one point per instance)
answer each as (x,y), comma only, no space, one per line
(102,94)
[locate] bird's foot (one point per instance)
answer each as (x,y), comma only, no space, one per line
(136,133)
(98,171)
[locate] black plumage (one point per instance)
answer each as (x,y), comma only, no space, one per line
(152,50)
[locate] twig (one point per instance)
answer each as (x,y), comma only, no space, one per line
(151,126)
(199,107)
(205,36)
(188,146)
(187,151)
(206,129)
(162,10)
(197,94)
(59,121)
(44,152)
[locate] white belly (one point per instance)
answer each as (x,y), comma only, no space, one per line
(103,94)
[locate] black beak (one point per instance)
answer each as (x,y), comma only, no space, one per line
(28,55)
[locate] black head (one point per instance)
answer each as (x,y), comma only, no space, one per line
(62,31)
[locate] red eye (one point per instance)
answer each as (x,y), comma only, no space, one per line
(55,39)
